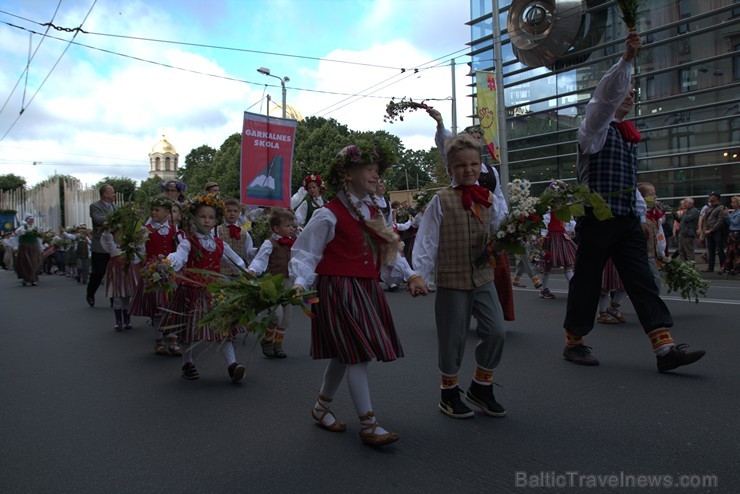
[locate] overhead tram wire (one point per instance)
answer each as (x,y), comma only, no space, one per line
(161,64)
(359,95)
(48,75)
(30,59)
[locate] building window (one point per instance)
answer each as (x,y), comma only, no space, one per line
(156,164)
(167,164)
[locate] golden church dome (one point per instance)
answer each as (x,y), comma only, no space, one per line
(163,147)
(276,110)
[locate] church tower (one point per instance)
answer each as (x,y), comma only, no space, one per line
(163,161)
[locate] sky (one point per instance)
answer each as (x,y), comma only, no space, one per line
(98,114)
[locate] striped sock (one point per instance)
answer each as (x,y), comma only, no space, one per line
(279,335)
(661,340)
(572,340)
(483,376)
(449,381)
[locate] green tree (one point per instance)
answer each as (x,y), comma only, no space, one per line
(316,144)
(123,185)
(11,181)
(198,168)
(148,189)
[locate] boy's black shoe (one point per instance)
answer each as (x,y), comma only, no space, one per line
(236,372)
(678,356)
(481,395)
(453,406)
(580,354)
(189,371)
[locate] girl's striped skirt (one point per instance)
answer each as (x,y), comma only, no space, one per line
(353,322)
(147,304)
(560,251)
(189,304)
(119,281)
(610,279)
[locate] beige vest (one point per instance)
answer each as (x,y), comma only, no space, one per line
(238,246)
(462,241)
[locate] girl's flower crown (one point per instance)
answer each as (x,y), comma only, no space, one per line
(361,153)
(314,178)
(211,200)
(162,202)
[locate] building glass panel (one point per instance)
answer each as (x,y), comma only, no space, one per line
(688,96)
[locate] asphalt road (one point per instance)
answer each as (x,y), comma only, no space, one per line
(84,409)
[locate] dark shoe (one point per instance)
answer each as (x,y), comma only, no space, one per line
(268,348)
(189,371)
(481,396)
(90,301)
(546,294)
(678,356)
(277,350)
(580,354)
(393,287)
(118,327)
(452,405)
(236,372)
(126,320)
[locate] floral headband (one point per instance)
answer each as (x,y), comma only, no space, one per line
(162,202)
(211,200)
(361,153)
(180,186)
(316,179)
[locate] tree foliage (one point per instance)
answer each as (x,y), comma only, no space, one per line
(11,181)
(198,168)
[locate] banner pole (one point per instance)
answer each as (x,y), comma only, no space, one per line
(501,106)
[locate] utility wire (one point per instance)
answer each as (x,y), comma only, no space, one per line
(43,37)
(47,75)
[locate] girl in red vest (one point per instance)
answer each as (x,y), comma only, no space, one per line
(160,242)
(559,251)
(340,252)
(199,250)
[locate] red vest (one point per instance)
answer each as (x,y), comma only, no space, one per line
(158,244)
(555,224)
(200,258)
(349,253)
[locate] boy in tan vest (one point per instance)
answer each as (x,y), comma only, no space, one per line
(273,257)
(453,234)
(238,239)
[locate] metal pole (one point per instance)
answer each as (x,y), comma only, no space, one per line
(282,83)
(454,99)
(268,105)
(501,101)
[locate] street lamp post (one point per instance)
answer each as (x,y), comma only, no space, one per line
(283,80)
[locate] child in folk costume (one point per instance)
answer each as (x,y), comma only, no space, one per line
(340,252)
(120,273)
(654,218)
(489,179)
(453,235)
(308,199)
(81,248)
(160,241)
(559,250)
(235,236)
(273,257)
(612,296)
(28,260)
(201,251)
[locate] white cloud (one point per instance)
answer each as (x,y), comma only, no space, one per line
(100,114)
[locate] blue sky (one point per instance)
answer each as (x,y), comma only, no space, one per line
(100,114)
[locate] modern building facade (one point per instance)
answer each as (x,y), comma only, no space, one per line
(688,94)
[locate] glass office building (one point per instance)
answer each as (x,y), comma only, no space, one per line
(688,94)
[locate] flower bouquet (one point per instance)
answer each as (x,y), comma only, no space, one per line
(158,275)
(680,276)
(631,10)
(248,301)
(522,225)
(125,222)
(395,110)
